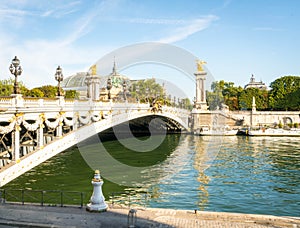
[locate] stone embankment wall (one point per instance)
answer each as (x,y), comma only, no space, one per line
(243,118)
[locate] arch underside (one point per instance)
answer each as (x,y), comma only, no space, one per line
(170,125)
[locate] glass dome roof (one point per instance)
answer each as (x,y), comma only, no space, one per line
(77,81)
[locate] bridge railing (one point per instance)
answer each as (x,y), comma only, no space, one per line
(42,197)
(5,101)
(25,103)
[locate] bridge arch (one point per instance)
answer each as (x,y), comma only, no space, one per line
(82,120)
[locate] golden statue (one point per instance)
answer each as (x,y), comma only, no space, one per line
(200,64)
(93,69)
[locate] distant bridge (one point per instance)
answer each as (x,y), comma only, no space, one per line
(33,130)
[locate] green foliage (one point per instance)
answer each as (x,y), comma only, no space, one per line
(223,92)
(291,101)
(284,94)
(35,92)
(215,98)
(147,89)
(246,98)
(48,91)
(187,103)
(7,87)
(71,94)
(296,125)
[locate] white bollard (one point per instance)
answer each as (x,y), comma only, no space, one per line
(97,201)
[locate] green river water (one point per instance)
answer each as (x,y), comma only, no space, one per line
(259,175)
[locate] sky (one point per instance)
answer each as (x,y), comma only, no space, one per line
(237,38)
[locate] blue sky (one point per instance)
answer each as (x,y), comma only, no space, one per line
(236,38)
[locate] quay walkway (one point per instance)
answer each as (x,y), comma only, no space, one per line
(12,215)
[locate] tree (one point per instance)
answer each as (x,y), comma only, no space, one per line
(215,98)
(35,92)
(71,94)
(187,103)
(48,90)
(7,87)
(231,95)
(279,98)
(246,98)
(224,92)
(292,101)
(148,89)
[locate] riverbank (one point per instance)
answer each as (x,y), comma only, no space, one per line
(12,215)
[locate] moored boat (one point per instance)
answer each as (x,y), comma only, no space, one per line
(274,132)
(206,131)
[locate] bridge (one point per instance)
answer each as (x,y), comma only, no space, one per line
(33,130)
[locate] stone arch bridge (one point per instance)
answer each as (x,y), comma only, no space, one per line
(34,130)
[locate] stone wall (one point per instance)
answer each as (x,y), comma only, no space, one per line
(243,118)
(261,118)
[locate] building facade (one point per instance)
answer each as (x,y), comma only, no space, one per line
(255,84)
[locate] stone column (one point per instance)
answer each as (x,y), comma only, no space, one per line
(59,129)
(40,133)
(93,86)
(97,201)
(203,91)
(16,143)
(200,102)
(18,100)
(253,104)
(252,121)
(40,136)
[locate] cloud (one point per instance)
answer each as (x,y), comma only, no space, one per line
(185,31)
(14,10)
(153,21)
(40,57)
(83,25)
(61,10)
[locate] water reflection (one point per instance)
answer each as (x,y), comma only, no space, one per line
(258,175)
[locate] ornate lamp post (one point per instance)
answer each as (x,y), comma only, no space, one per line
(147,94)
(137,90)
(174,101)
(124,90)
(165,98)
(170,99)
(179,102)
(59,78)
(108,87)
(16,70)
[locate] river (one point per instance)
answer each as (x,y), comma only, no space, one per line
(259,175)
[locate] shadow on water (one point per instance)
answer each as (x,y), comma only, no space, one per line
(68,171)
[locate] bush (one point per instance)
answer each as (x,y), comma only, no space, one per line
(296,125)
(280,125)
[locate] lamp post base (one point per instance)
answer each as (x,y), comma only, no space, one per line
(96,207)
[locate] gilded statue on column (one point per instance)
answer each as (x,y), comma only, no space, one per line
(200,64)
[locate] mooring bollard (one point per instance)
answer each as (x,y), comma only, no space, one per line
(97,201)
(131,218)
